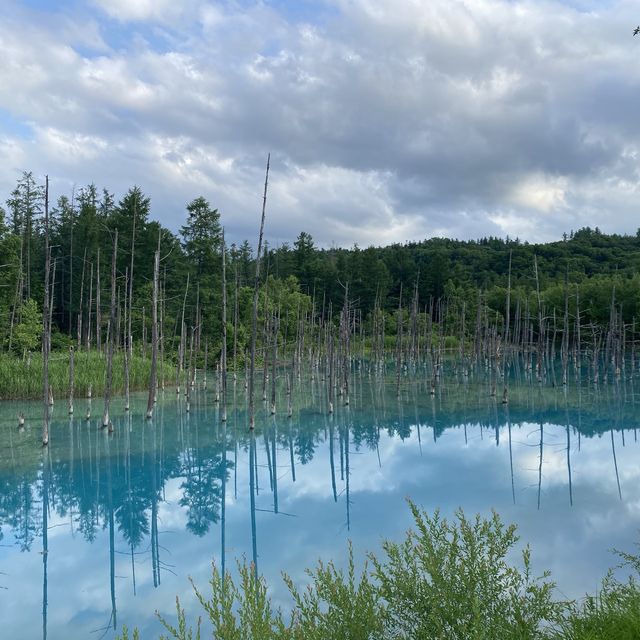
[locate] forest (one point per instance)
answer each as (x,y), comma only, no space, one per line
(304,282)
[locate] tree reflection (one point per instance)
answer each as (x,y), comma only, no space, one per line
(89,488)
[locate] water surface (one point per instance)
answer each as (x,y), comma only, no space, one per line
(101,530)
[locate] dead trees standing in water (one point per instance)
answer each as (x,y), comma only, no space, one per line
(153,378)
(112,322)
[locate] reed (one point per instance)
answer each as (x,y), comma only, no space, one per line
(20,379)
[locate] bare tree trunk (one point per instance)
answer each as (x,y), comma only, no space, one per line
(565,333)
(144,332)
(187,386)
(129,343)
(51,296)
(235,323)
(206,363)
(399,343)
(223,353)
(274,359)
(46,328)
(80,309)
(153,382)
(28,225)
(182,345)
(162,315)
(89,306)
(127,351)
(254,322)
(541,330)
(71,379)
(73,193)
(112,320)
(507,320)
(98,317)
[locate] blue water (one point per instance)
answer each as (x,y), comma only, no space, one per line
(101,530)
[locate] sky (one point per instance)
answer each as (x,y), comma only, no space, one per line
(386,120)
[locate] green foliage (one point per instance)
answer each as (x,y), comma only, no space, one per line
(125,634)
(337,606)
(469,272)
(447,580)
(28,332)
(613,613)
(452,580)
(237,612)
(181,632)
(23,378)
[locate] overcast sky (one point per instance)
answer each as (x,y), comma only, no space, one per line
(387,120)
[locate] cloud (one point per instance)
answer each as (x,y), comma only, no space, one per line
(443,118)
(143,10)
(539,192)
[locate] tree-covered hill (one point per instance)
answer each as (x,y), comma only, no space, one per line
(591,266)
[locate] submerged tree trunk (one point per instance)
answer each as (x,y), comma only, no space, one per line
(71,379)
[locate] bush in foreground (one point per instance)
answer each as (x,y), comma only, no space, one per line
(447,579)
(612,613)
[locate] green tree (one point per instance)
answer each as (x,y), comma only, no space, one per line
(202,235)
(28,332)
(25,204)
(202,244)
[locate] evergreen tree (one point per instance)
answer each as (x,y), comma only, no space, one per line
(202,244)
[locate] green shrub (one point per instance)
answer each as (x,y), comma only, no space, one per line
(27,334)
(452,580)
(613,613)
(446,580)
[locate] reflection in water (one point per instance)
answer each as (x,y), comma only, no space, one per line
(45,537)
(152,489)
(540,463)
(508,421)
(112,551)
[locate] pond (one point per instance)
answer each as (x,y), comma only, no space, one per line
(100,530)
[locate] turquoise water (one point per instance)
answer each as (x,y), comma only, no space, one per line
(101,530)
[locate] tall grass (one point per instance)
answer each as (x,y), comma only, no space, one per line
(614,612)
(22,379)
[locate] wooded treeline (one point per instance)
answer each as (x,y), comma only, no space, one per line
(586,267)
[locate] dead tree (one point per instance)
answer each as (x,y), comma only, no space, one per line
(223,352)
(254,320)
(112,322)
(46,327)
(153,378)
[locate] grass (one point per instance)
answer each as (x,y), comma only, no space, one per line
(21,379)
(447,580)
(613,613)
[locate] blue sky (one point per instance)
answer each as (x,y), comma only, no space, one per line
(387,120)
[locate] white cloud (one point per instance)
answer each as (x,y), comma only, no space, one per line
(539,192)
(142,10)
(449,118)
